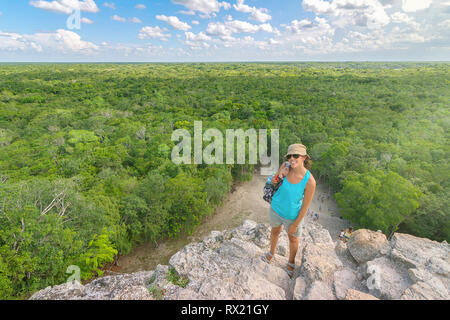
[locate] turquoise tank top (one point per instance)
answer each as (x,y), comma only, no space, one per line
(287,200)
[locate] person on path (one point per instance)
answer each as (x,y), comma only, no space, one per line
(347,234)
(291,202)
(341,235)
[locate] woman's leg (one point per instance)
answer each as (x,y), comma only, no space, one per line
(274,235)
(293,248)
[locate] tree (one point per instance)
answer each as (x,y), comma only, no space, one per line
(378,200)
(186,203)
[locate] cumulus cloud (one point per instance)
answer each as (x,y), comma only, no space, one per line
(247,42)
(261,15)
(86,20)
(174,22)
(204,6)
(400,17)
(154,32)
(187,12)
(197,37)
(361,13)
(135,20)
(123,19)
(62,41)
(415,5)
(110,5)
(445,24)
(381,39)
(118,18)
(140,6)
(236,26)
(66,6)
(307,35)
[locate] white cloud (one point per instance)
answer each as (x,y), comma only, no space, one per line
(118,18)
(297,26)
(66,6)
(122,19)
(415,5)
(204,6)
(445,24)
(236,26)
(135,20)
(174,22)
(140,6)
(260,15)
(197,37)
(62,41)
(317,6)
(197,41)
(187,12)
(247,42)
(360,13)
(381,39)
(87,21)
(12,42)
(218,29)
(197,45)
(308,35)
(195,22)
(154,32)
(400,17)
(110,5)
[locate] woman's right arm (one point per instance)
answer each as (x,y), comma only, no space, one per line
(277,175)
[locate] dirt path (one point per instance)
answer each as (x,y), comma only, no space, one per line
(244,203)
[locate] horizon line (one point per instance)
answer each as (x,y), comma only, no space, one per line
(237,61)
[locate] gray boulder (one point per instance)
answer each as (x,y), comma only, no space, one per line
(227,265)
(365,245)
(385,280)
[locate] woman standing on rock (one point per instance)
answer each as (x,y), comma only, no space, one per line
(290,202)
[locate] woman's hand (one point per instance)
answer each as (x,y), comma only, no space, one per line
(284,172)
(281,173)
(292,229)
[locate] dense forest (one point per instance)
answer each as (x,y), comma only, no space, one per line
(86,173)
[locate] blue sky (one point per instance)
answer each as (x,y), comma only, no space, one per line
(232,30)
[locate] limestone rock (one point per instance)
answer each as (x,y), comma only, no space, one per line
(414,252)
(439,265)
(319,290)
(227,265)
(319,262)
(121,287)
(385,280)
(343,280)
(365,245)
(299,289)
(432,289)
(358,295)
(344,255)
(65,291)
(419,274)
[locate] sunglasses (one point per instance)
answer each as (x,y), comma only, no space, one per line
(296,156)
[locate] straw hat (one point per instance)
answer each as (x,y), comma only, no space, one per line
(297,148)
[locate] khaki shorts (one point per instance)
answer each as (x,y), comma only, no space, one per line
(275,220)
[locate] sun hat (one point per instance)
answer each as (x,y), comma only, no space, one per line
(297,148)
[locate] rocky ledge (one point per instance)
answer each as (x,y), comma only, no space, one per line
(227,265)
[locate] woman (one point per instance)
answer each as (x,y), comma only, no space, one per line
(290,202)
